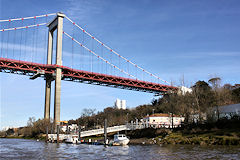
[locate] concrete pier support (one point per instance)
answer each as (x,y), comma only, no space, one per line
(47,99)
(56,23)
(57,98)
(48,79)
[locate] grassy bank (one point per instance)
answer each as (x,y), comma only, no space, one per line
(199,137)
(39,137)
(217,137)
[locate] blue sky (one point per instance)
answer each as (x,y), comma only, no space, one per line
(197,39)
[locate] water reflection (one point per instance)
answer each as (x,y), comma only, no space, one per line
(31,149)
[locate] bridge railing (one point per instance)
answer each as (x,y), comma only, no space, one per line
(136,125)
(101,131)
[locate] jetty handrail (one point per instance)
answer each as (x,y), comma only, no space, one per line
(93,132)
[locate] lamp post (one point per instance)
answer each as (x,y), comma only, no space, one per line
(97,122)
(126,125)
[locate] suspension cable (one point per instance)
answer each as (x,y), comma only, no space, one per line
(72,47)
(13,48)
(83,60)
(97,55)
(16,28)
(24,18)
(2,40)
(45,43)
(7,40)
(37,43)
(20,44)
(25,47)
(151,74)
(33,42)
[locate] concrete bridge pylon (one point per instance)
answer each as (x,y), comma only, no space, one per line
(55,24)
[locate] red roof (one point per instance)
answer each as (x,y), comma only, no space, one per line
(162,115)
(159,115)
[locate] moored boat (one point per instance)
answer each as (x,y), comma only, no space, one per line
(72,139)
(120,140)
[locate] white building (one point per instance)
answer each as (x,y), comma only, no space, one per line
(120,104)
(159,120)
(227,111)
(70,128)
(183,90)
(123,104)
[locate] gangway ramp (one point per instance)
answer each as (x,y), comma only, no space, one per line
(101,131)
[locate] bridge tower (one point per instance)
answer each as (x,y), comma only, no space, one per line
(55,24)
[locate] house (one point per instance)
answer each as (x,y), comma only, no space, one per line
(183,90)
(159,120)
(68,128)
(226,111)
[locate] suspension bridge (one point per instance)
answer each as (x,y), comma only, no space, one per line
(27,47)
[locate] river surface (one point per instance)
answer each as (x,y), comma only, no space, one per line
(32,149)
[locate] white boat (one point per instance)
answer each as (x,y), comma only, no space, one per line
(72,139)
(120,139)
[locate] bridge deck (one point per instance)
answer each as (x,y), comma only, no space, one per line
(69,74)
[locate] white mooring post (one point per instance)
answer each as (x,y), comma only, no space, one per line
(79,132)
(46,134)
(105,132)
(58,133)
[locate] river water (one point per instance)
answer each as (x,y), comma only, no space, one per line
(32,149)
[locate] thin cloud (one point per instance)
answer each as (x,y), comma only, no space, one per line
(198,55)
(82,10)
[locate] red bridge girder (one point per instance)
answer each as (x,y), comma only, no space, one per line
(68,74)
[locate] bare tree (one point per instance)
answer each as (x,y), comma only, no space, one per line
(215,82)
(88,112)
(31,121)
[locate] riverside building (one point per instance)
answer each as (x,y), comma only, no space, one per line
(120,104)
(163,120)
